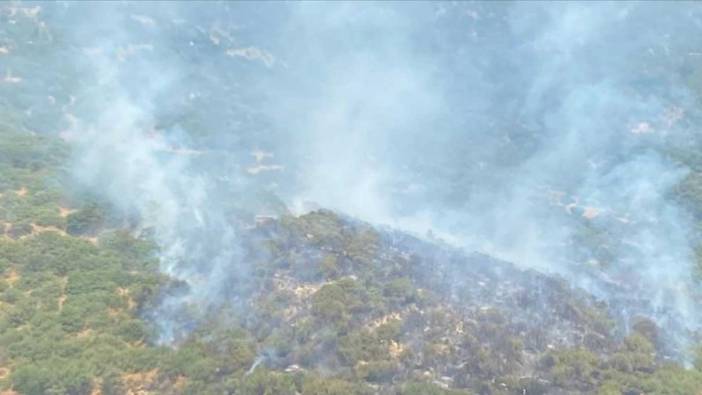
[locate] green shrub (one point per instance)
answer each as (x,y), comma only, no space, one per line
(86,221)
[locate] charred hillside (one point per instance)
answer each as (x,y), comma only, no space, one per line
(336,295)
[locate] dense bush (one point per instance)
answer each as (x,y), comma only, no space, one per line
(86,221)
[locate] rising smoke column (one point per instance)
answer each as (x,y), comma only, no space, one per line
(122,154)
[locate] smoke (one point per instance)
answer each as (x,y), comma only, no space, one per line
(144,171)
(537,133)
(136,171)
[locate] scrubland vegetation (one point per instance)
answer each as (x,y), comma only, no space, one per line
(323,304)
(338,307)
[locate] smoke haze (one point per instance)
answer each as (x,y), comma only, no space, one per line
(540,133)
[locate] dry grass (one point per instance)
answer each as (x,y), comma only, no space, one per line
(139,383)
(394,316)
(124,293)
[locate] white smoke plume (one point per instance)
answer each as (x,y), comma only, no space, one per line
(540,133)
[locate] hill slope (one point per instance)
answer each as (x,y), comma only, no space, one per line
(327,305)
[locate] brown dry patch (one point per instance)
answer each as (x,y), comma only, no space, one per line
(180,383)
(298,293)
(9,392)
(395,316)
(12,277)
(97,387)
(4,373)
(137,344)
(36,229)
(85,333)
(124,292)
(301,291)
(22,192)
(395,349)
(306,290)
(139,383)
(65,211)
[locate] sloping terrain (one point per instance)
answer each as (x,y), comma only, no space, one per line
(328,305)
(186,123)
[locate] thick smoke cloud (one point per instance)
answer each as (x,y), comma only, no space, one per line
(538,133)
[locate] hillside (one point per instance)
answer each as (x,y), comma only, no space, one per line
(328,305)
(347,198)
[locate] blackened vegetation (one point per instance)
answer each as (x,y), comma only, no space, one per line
(394,314)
